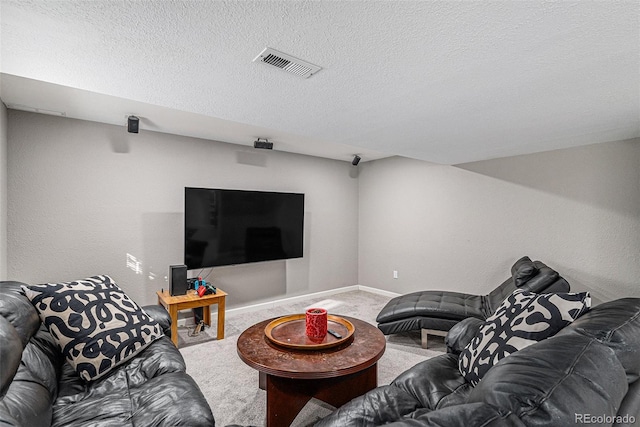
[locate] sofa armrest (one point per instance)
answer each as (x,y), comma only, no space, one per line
(160,315)
(461,334)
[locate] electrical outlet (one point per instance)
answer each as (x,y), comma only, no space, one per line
(395,274)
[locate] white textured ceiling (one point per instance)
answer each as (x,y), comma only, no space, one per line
(444,81)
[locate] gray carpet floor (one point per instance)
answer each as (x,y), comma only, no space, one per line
(231,387)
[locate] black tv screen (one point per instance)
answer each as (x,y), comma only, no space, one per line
(227,227)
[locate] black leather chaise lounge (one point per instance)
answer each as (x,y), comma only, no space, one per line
(435,312)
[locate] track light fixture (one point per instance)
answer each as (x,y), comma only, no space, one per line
(133,124)
(265,145)
(356,160)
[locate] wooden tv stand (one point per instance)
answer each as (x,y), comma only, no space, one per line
(174,304)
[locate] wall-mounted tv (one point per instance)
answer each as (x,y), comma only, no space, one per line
(228,227)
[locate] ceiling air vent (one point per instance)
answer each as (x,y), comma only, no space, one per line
(287,62)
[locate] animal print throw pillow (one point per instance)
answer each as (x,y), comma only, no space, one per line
(94,323)
(522,319)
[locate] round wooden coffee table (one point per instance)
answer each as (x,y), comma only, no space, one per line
(292,377)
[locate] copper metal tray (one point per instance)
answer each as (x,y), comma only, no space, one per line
(289,331)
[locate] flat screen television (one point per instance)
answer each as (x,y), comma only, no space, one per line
(228,227)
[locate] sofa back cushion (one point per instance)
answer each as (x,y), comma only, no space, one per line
(524,318)
(95,324)
(556,382)
(615,324)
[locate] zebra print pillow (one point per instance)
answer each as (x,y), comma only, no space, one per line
(94,323)
(522,319)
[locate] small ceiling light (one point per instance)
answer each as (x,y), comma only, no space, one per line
(356,160)
(133,124)
(265,145)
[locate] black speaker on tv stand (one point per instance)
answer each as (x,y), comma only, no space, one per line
(177,280)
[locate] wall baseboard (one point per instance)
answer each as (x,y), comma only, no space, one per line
(378,291)
(297,298)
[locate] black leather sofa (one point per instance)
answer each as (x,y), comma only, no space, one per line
(587,374)
(435,312)
(38,388)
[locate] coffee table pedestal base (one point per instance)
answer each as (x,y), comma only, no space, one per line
(293,377)
(287,396)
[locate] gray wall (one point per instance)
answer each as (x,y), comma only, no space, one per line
(88,198)
(3,191)
(83,195)
(461,228)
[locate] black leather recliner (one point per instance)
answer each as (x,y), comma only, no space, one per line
(37,387)
(435,312)
(587,374)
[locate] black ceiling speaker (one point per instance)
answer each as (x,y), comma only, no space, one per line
(356,160)
(265,145)
(133,124)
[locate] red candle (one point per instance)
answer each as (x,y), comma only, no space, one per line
(316,323)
